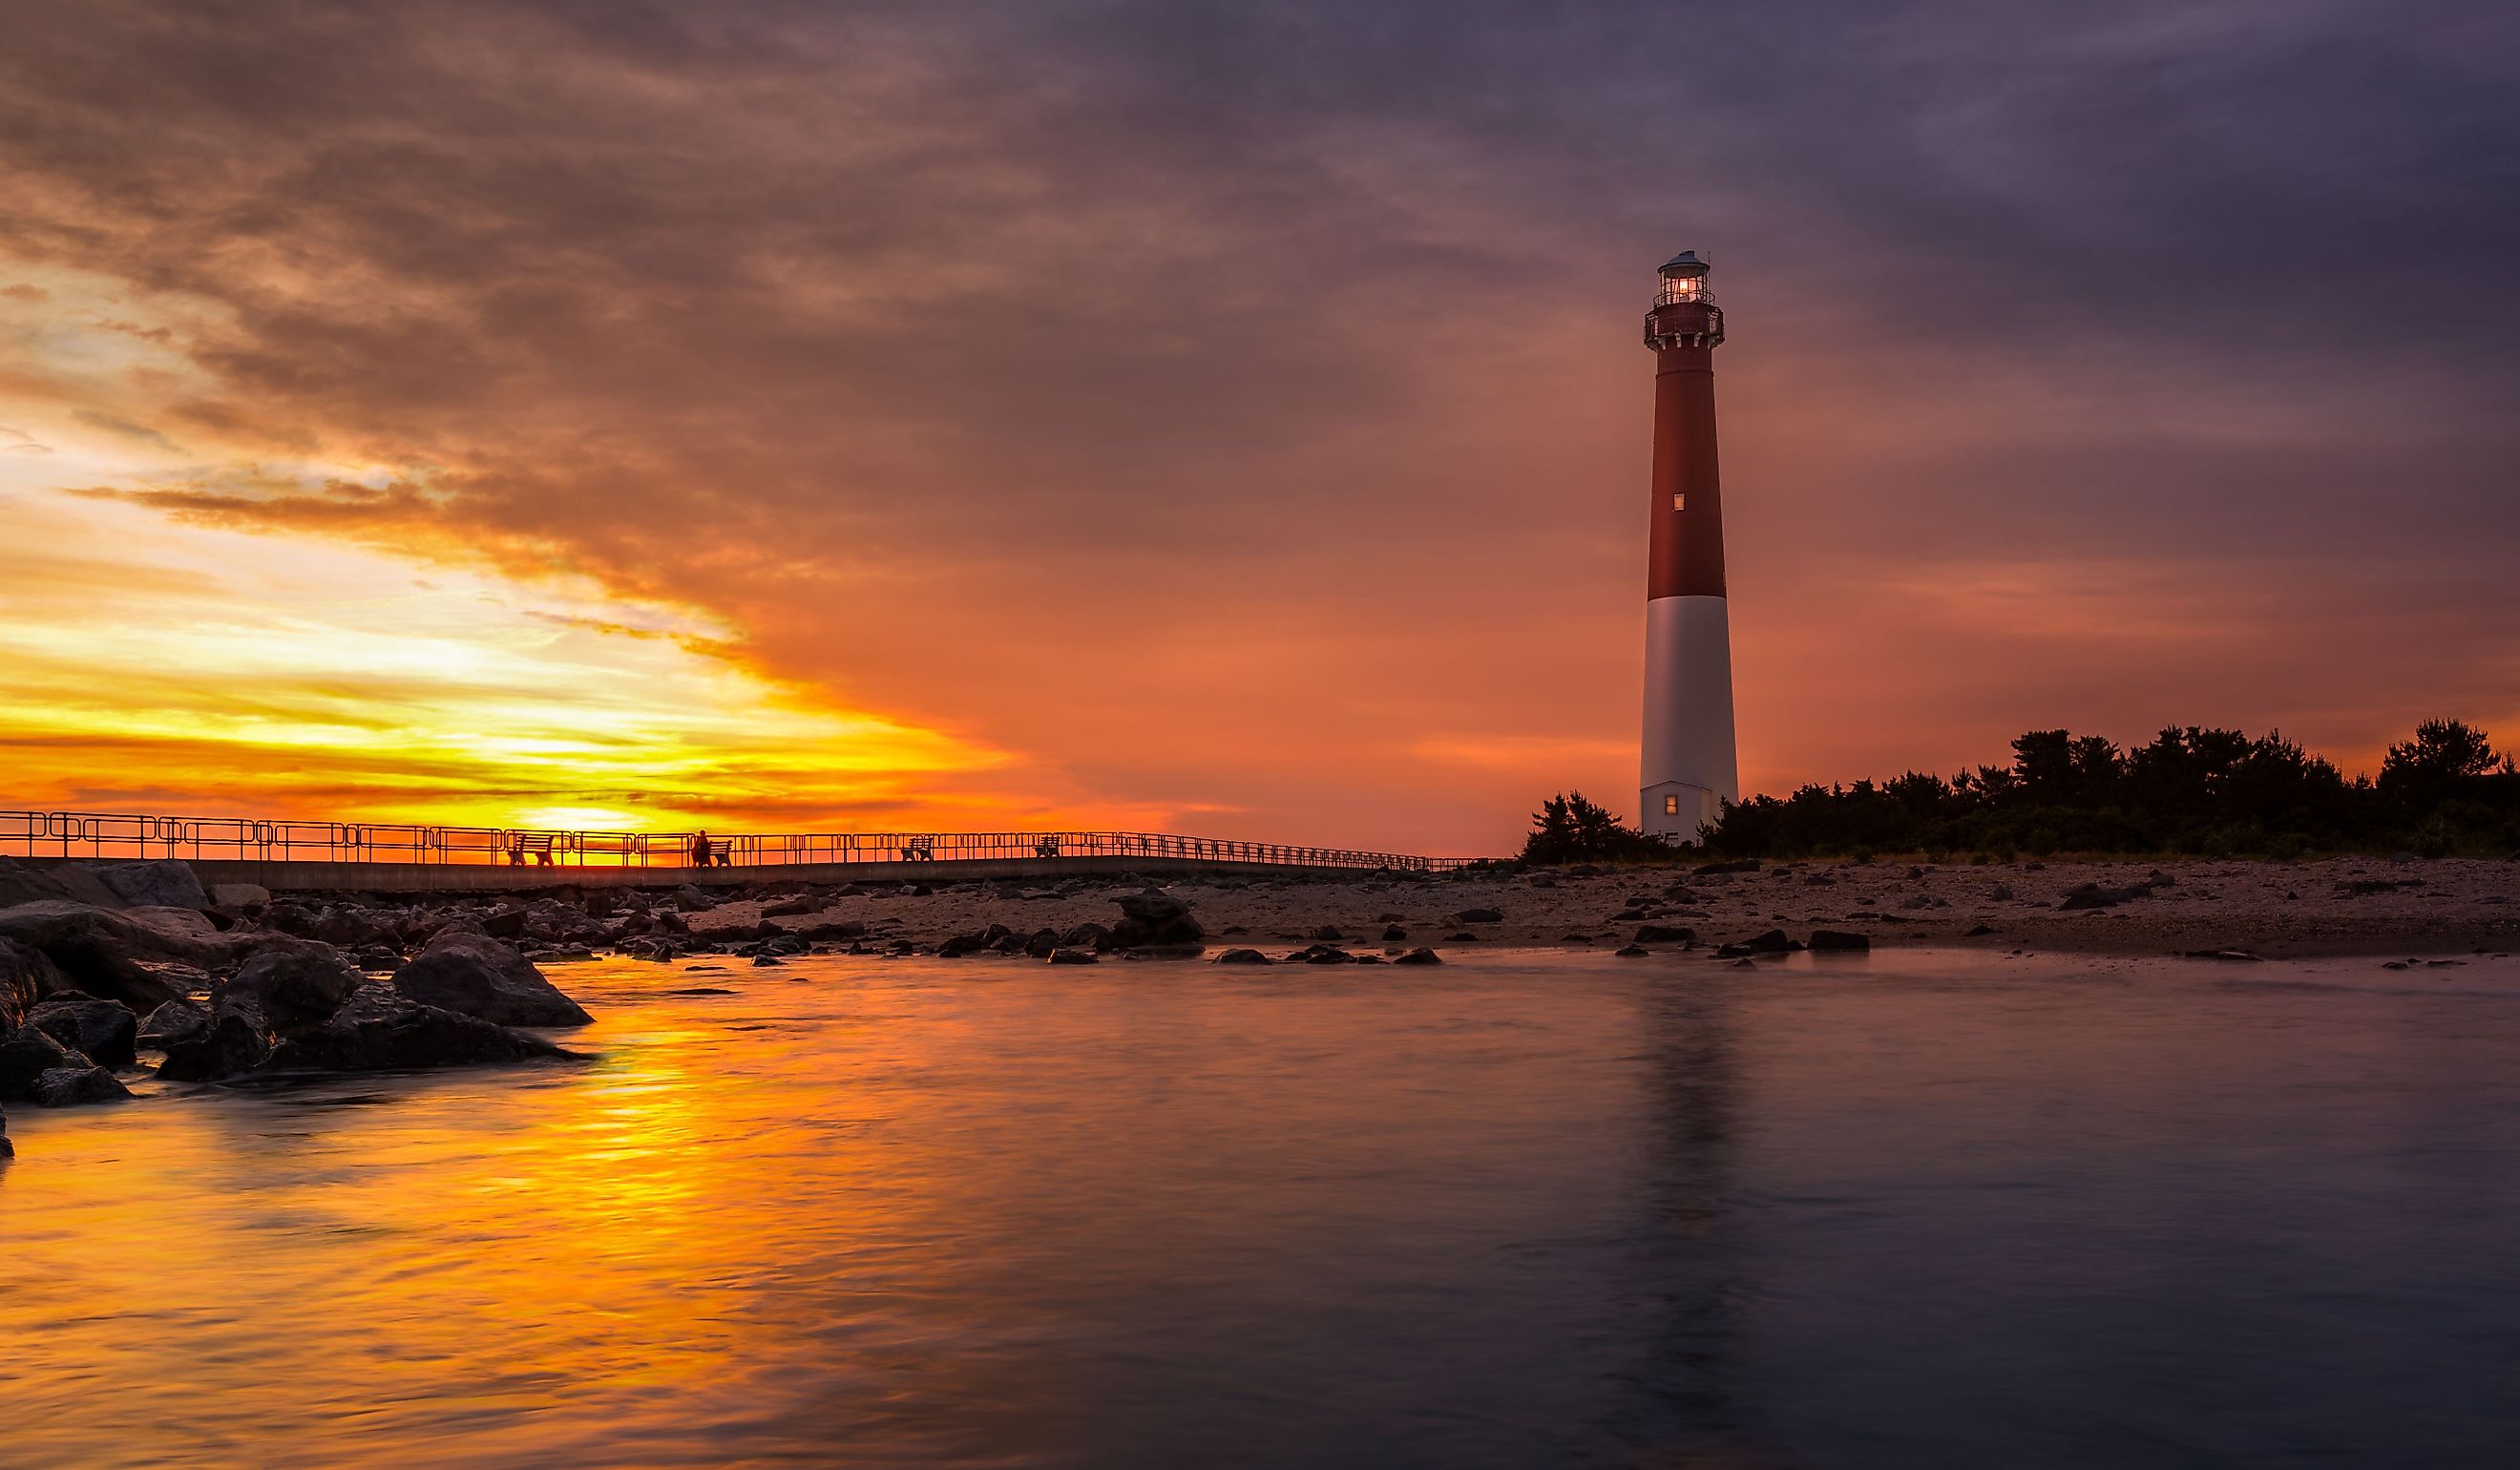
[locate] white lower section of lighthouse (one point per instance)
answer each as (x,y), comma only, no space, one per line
(1690,764)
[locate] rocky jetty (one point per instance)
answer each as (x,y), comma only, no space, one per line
(107,969)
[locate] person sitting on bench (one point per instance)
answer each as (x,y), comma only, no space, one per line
(700,850)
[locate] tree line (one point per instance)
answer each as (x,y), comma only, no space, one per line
(2191,790)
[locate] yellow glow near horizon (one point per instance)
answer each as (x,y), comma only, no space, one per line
(172,667)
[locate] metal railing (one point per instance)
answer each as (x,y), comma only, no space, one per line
(100,834)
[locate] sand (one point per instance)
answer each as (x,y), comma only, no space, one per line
(2273,909)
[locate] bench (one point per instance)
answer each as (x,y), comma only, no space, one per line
(1047,847)
(919,850)
(539,844)
(721,854)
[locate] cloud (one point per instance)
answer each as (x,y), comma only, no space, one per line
(1216,403)
(124,428)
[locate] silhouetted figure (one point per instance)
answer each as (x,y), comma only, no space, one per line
(700,850)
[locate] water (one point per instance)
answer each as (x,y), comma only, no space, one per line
(1915,1209)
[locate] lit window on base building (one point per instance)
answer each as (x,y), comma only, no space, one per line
(1671,806)
(1678,501)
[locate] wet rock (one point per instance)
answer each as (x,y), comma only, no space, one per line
(383,1029)
(1462,936)
(26,1056)
(1065,956)
(2094,896)
(1631,951)
(160,883)
(1420,955)
(1043,944)
(72,1086)
(1243,956)
(1328,932)
(229,1044)
(1838,940)
(833,929)
(1976,931)
(26,976)
(20,883)
(973,943)
(290,985)
(243,897)
(1393,934)
(105,1031)
(479,977)
(767,959)
(1666,934)
(1478,916)
(1091,937)
(2238,956)
(99,951)
(1321,954)
(174,1021)
(1155,920)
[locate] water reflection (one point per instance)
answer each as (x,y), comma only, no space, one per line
(1516,1212)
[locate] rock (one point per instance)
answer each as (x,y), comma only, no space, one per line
(174,1021)
(2240,955)
(973,943)
(2094,896)
(26,1056)
(8,1151)
(20,883)
(1092,937)
(1838,940)
(1067,956)
(1976,931)
(383,1029)
(26,976)
(1478,916)
(98,950)
(1773,942)
(241,895)
(1420,955)
(1719,869)
(1155,920)
(1666,934)
(1243,956)
(1329,932)
(228,1044)
(70,1087)
(1463,936)
(803,904)
(2001,893)
(477,976)
(107,1032)
(760,960)
(291,985)
(1393,934)
(166,883)
(837,928)
(1631,951)
(1321,954)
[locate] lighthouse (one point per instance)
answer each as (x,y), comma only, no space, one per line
(1689,768)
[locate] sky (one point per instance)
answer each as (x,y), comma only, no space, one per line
(1228,419)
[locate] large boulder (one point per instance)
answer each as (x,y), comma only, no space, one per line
(239,896)
(381,1028)
(1155,920)
(229,1044)
(107,1032)
(26,976)
(177,1021)
(111,952)
(26,1056)
(290,985)
(475,975)
(23,883)
(166,883)
(69,1087)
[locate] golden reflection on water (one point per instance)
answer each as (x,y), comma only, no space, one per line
(836,1220)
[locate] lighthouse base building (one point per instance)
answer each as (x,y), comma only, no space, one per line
(1689,769)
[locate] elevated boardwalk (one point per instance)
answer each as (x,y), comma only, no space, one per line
(386,857)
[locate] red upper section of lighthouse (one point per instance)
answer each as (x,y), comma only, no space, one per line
(1684,328)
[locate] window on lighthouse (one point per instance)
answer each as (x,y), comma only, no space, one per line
(1671,806)
(1678,501)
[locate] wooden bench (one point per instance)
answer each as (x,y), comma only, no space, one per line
(919,850)
(537,843)
(721,854)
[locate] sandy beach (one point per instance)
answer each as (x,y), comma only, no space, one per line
(2351,906)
